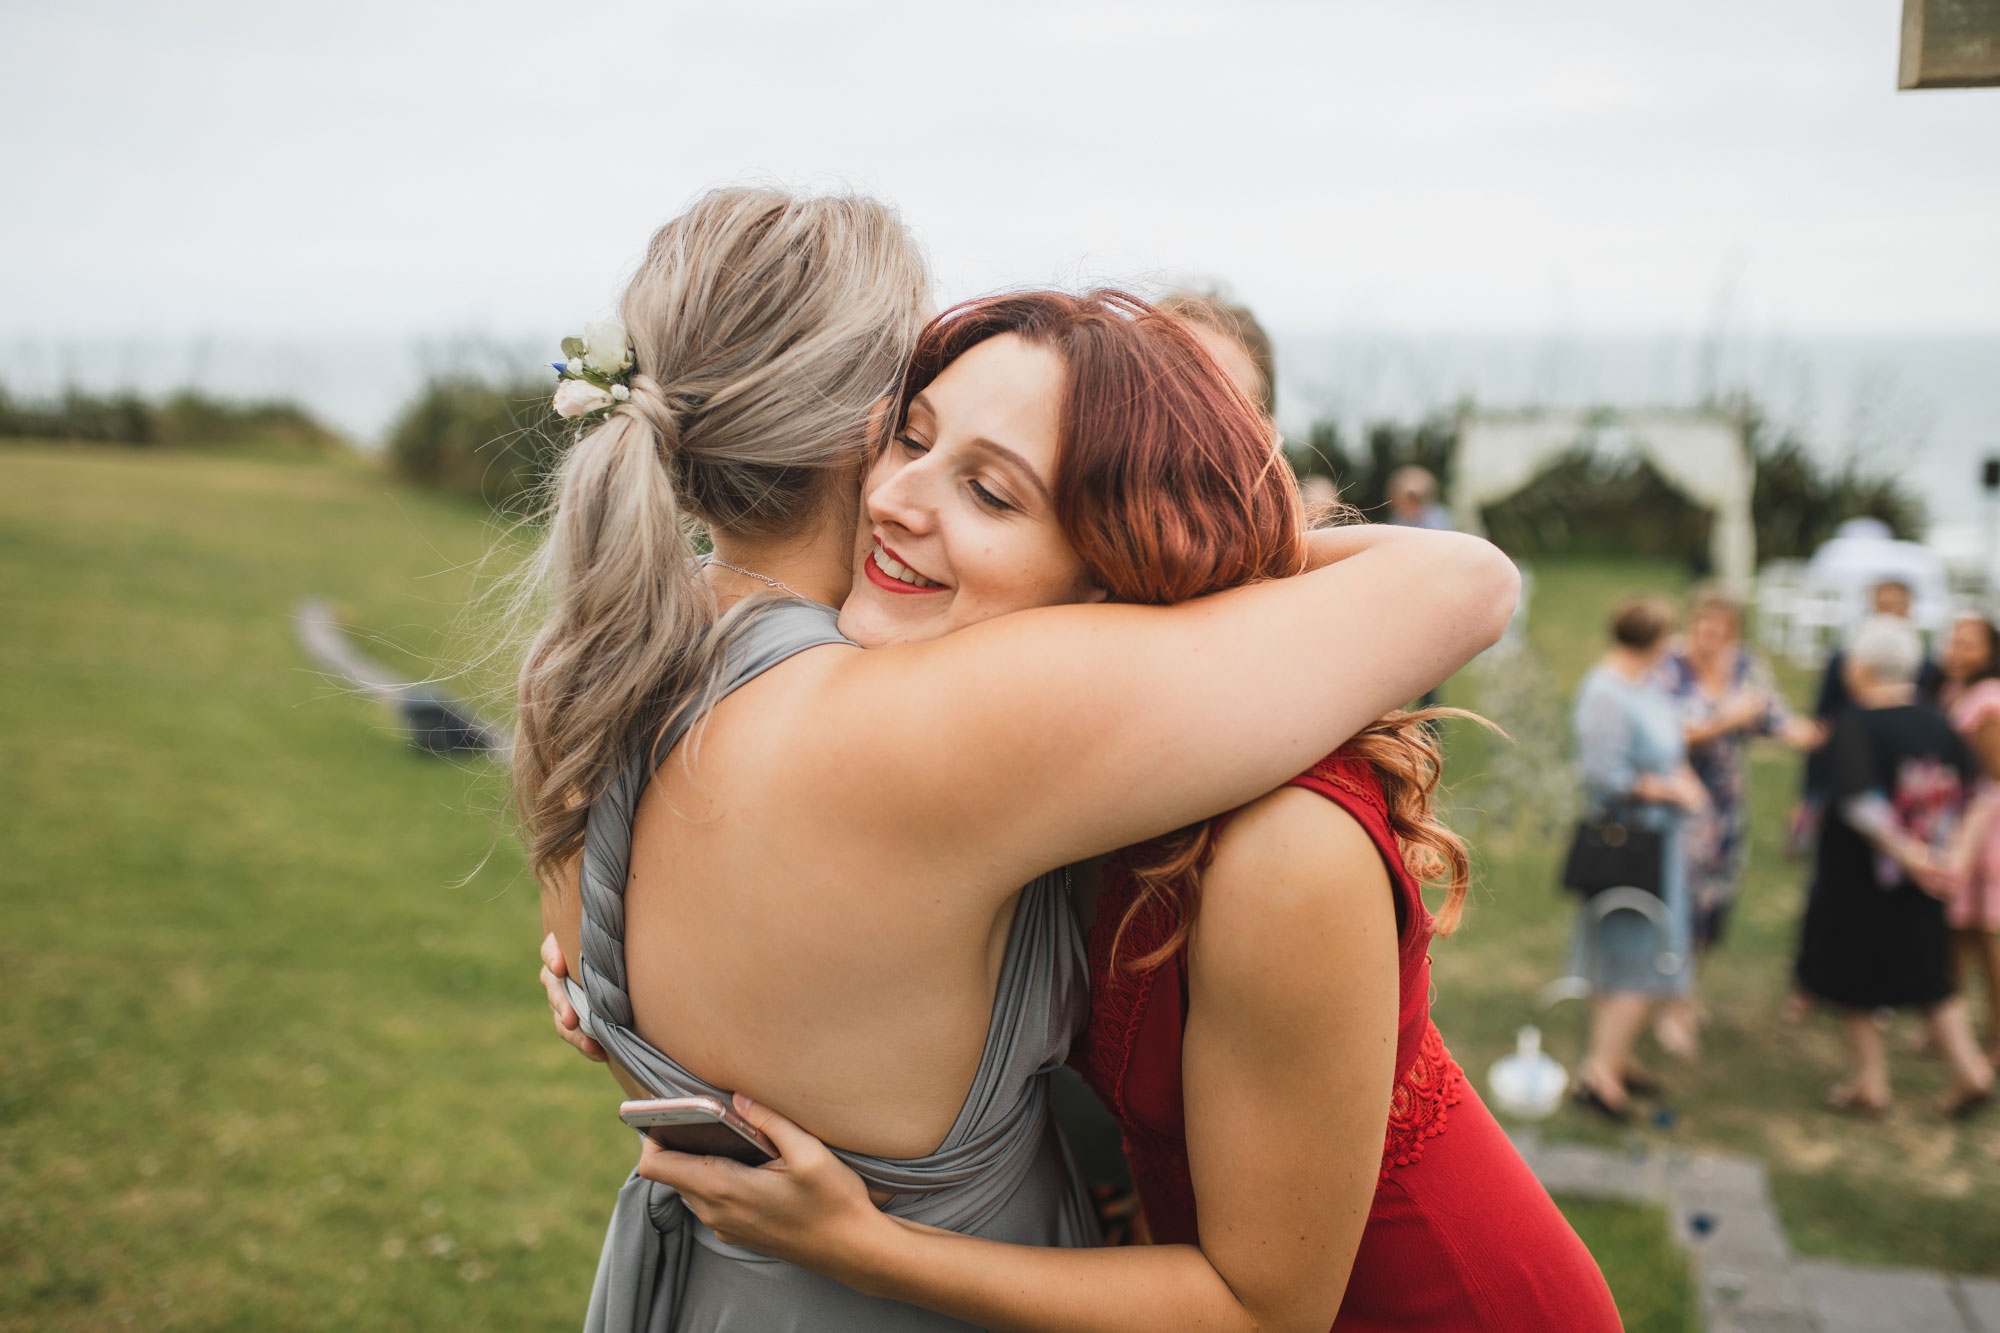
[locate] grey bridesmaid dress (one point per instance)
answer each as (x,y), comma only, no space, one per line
(1002,1172)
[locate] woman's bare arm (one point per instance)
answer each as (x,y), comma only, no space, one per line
(1289,1053)
(1056,734)
(1985,741)
(1330,546)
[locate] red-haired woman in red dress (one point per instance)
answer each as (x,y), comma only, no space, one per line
(1459,1235)
(1306,1149)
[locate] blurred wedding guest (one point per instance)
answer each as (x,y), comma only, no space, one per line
(1413,500)
(1890,597)
(1727,699)
(1875,934)
(1633,752)
(1413,503)
(1233,337)
(1319,493)
(1971,667)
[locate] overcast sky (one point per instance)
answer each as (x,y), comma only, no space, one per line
(411,168)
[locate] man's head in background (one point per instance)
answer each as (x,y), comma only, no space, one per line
(1232,335)
(1891,597)
(1412,491)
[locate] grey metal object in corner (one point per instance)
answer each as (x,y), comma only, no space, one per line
(432,721)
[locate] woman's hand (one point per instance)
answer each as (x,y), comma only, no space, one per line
(1936,874)
(808,1207)
(1804,733)
(568,1026)
(1946,872)
(1690,793)
(1746,711)
(1682,788)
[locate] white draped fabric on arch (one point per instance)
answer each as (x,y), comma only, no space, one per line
(1700,454)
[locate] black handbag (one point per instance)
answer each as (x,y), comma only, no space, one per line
(1611,852)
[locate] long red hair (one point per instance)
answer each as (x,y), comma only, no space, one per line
(1170,485)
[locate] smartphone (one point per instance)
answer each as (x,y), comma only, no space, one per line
(704,1126)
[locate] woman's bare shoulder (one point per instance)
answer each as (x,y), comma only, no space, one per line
(1291,860)
(1296,932)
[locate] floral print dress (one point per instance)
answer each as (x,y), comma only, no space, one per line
(1718,842)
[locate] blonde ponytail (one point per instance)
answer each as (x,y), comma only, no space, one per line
(766,328)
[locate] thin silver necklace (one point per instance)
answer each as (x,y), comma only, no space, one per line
(761,578)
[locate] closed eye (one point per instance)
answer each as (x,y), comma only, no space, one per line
(989,499)
(912,444)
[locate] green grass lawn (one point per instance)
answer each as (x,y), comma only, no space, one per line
(280,1061)
(1910,1189)
(1647,1272)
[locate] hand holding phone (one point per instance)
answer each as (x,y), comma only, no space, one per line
(704,1126)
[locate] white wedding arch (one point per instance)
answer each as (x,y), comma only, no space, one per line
(1702,455)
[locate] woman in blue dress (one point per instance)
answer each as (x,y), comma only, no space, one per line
(1632,747)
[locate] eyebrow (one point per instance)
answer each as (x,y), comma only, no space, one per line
(996,448)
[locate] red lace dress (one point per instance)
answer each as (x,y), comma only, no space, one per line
(1460,1236)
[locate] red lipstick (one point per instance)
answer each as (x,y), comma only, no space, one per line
(881,577)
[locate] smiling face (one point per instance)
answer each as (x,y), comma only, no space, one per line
(958,520)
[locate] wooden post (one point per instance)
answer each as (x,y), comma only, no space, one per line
(1950,44)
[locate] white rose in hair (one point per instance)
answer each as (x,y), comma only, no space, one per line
(576,398)
(606,348)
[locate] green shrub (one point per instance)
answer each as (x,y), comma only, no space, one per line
(1800,500)
(1587,503)
(467,437)
(112,418)
(189,419)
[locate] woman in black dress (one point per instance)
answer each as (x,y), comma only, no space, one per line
(1875,934)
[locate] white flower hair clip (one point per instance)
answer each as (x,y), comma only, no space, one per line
(593,370)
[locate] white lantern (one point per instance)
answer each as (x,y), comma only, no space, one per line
(1527,1085)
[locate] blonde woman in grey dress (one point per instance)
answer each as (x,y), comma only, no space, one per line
(802,866)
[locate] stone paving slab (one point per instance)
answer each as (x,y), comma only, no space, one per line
(1848,1299)
(1744,1296)
(1743,1265)
(1981,1299)
(1720,1211)
(1738,1236)
(1762,1321)
(1591,1173)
